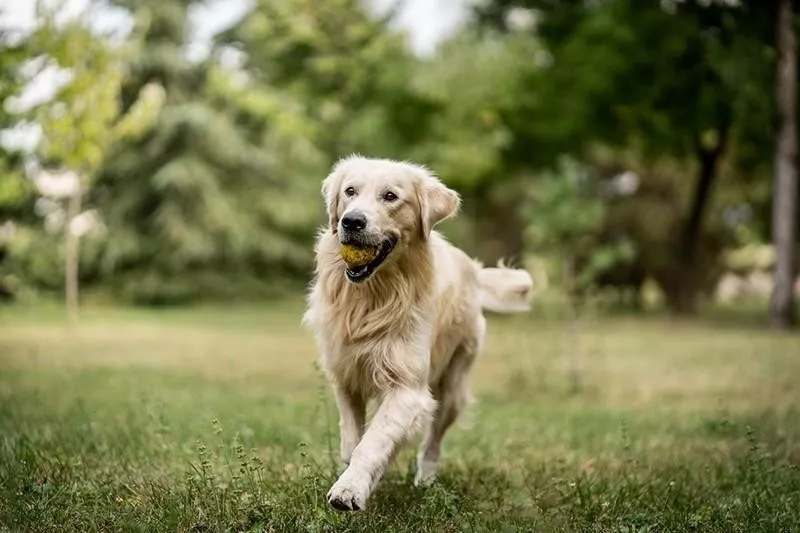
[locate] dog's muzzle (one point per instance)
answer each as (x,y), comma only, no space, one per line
(362,272)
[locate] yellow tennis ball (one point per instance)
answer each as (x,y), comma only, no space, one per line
(355,256)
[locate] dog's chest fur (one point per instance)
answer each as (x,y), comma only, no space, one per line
(376,334)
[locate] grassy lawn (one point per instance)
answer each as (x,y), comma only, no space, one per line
(217,419)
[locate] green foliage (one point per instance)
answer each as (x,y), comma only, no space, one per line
(659,86)
(566,211)
(628,73)
(472,80)
(349,72)
(16,193)
(636,73)
(207,175)
(77,122)
(567,217)
(13,55)
(214,184)
(35,260)
(77,126)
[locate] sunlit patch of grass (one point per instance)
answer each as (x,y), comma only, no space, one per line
(217,419)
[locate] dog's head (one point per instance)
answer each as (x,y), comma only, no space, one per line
(385,205)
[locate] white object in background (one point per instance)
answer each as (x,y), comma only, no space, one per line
(57,184)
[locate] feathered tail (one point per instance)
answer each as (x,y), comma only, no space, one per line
(505,289)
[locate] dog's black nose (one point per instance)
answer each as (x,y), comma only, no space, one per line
(354,221)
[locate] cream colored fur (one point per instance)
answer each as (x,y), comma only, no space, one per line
(406,337)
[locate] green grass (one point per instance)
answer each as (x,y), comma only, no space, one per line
(216,419)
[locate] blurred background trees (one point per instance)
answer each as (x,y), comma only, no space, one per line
(634,141)
(200,195)
(673,92)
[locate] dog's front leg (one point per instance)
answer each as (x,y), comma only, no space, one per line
(402,412)
(352,412)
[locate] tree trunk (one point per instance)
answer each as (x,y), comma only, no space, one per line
(682,297)
(784,207)
(72,257)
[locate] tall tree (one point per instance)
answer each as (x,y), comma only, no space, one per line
(784,219)
(670,81)
(348,69)
(198,204)
(77,122)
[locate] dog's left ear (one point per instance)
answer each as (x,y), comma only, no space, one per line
(436,204)
(330,192)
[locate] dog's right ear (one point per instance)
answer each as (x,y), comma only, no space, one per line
(330,192)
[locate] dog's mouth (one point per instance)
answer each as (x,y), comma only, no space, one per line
(362,272)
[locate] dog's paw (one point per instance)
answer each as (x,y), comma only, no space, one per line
(348,495)
(426,474)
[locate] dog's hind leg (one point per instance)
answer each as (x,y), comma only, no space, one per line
(452,395)
(352,413)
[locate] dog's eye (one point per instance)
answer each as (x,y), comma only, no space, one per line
(389,196)
(350,191)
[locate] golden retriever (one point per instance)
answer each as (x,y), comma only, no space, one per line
(404,328)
